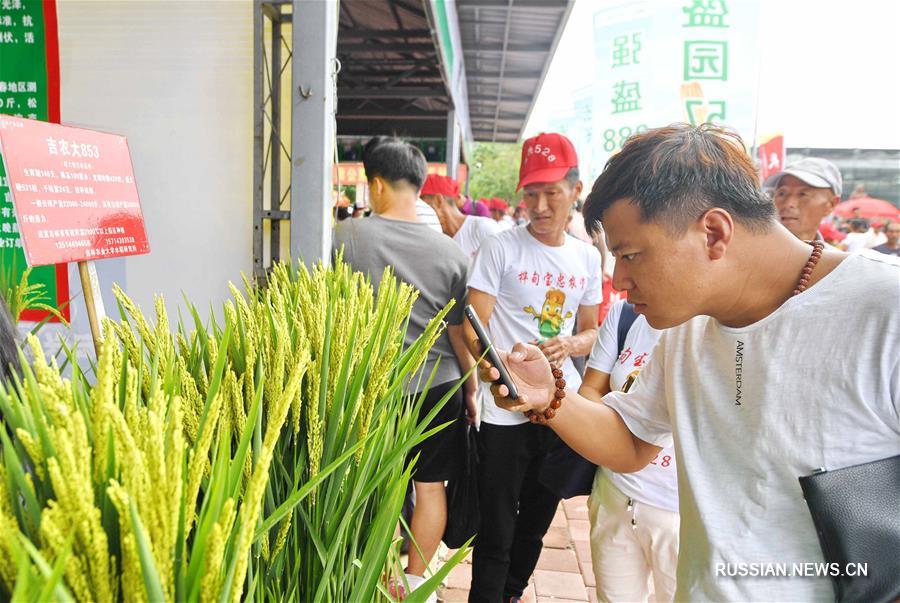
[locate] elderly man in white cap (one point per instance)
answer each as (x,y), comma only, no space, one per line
(804,194)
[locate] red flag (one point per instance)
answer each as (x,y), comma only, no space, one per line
(771,156)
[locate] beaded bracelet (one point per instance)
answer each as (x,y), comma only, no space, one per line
(541,418)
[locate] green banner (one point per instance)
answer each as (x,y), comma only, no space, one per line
(28,88)
(446,40)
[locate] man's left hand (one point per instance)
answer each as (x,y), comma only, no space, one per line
(556,349)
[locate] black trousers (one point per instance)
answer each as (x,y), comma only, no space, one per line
(516,509)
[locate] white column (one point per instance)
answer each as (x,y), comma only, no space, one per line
(314,33)
(453,140)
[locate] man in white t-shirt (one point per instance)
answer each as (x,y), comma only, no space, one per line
(427,215)
(634,516)
(858,237)
(441,193)
(499,208)
(576,225)
(528,283)
(765,373)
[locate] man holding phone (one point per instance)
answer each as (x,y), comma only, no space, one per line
(754,389)
(528,283)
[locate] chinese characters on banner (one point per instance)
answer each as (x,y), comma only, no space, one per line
(29,88)
(666,61)
(705,61)
(623,97)
(74,192)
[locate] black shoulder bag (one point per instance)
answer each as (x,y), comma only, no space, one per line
(463,512)
(856,512)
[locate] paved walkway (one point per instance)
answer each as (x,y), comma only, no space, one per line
(564,570)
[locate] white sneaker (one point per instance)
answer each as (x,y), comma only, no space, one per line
(417,581)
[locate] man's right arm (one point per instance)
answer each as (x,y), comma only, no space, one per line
(596,431)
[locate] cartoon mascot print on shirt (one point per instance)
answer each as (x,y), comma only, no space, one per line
(550,320)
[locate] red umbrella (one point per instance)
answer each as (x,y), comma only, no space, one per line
(830,233)
(869,207)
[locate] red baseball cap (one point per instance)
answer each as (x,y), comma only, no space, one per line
(546,158)
(440,185)
(454,186)
(499,204)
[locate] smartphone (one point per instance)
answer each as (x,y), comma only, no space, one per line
(492,354)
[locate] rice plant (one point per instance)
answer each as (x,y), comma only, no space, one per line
(19,292)
(261,454)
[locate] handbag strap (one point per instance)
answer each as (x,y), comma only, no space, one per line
(626,319)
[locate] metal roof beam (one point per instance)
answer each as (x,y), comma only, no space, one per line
(474,50)
(492,117)
(382,114)
(418,78)
(367,34)
(345,11)
(490,131)
(400,92)
(417,11)
(370,48)
(513,98)
(508,75)
(398,62)
(547,5)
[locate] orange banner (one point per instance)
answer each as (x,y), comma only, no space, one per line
(352,173)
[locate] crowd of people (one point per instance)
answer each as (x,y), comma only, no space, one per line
(749,353)
(806,194)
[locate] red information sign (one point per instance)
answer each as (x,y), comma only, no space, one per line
(73,190)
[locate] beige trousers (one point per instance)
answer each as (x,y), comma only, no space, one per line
(634,546)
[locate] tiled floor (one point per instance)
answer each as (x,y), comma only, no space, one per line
(564,570)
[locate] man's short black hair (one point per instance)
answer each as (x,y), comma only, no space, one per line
(394,160)
(677,173)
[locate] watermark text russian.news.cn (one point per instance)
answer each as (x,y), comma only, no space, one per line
(791,570)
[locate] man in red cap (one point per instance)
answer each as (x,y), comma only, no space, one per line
(499,207)
(528,283)
(476,207)
(441,193)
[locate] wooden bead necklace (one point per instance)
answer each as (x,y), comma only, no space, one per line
(806,273)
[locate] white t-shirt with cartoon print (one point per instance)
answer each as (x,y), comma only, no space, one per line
(657,483)
(538,289)
(474,230)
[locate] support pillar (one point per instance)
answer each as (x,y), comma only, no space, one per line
(314,33)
